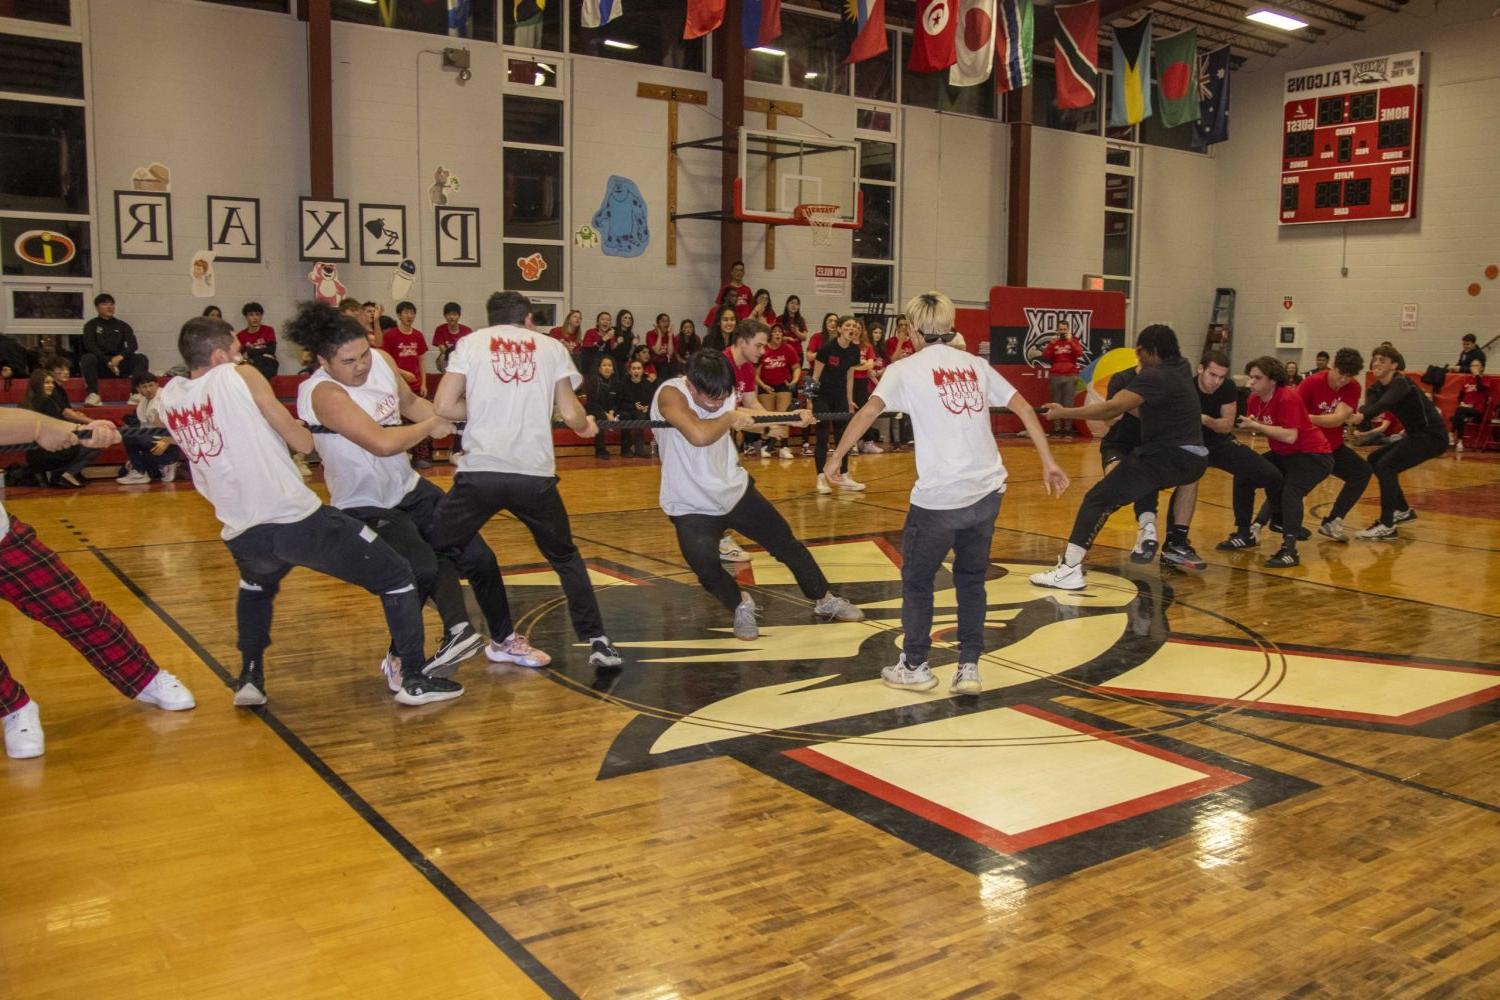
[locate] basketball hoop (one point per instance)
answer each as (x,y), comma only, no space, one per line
(820,219)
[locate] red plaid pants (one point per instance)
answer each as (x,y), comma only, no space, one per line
(37,582)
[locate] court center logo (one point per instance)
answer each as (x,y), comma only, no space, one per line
(1041,327)
(195,432)
(513,359)
(1080,749)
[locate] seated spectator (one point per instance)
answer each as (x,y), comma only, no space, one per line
(621,346)
(46,395)
(761,308)
(109,349)
(1293,376)
(447,336)
(642,353)
(719,335)
(1468,354)
(156,458)
(661,342)
(606,398)
(13,360)
(571,331)
(258,341)
(212,312)
(593,344)
(1473,398)
(638,391)
(793,323)
(688,344)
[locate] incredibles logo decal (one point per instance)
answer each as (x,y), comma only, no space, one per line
(44,248)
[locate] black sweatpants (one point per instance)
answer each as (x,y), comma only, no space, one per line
(331,542)
(407,528)
(1390,461)
(1355,473)
(698,537)
(1143,472)
(475,497)
(92,366)
(1251,471)
(827,428)
(1110,453)
(1300,474)
(926,539)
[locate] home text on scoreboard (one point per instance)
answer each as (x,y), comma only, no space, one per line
(1350,139)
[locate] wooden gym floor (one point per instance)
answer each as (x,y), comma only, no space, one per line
(1242,783)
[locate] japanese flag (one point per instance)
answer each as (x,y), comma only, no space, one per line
(975,43)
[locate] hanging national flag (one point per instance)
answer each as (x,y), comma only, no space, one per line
(1176,60)
(933,45)
(864,29)
(1013,35)
(760,22)
(1132,62)
(597,13)
(703,16)
(975,43)
(1213,98)
(1076,54)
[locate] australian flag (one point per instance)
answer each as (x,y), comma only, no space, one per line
(1213,98)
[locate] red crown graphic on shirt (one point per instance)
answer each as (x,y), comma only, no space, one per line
(195,432)
(514,360)
(958,389)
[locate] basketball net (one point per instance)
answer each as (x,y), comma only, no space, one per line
(820,219)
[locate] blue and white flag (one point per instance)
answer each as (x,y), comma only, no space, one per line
(597,13)
(1213,98)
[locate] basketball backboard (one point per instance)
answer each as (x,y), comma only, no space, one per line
(780,170)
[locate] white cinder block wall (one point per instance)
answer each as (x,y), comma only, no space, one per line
(1428,260)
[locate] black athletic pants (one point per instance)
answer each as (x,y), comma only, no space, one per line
(1463,416)
(91,366)
(1355,473)
(1109,454)
(408,527)
(926,539)
(1143,472)
(1300,473)
(1393,459)
(698,537)
(1251,471)
(826,428)
(475,497)
(330,542)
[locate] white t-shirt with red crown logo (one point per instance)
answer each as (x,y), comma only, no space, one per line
(358,478)
(948,394)
(240,464)
(510,374)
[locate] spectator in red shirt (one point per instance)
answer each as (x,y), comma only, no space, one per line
(793,323)
(374,332)
(780,368)
(1062,355)
(595,341)
(688,343)
(642,354)
(406,345)
(1473,397)
(1300,450)
(571,331)
(718,336)
(257,341)
(447,336)
(663,346)
(897,346)
(762,309)
(827,334)
(735,295)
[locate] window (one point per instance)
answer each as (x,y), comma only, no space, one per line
(875,79)
(530,73)
(43,158)
(648,31)
(533,194)
(43,66)
(468,20)
(533,251)
(872,268)
(44,11)
(531,24)
(1120,205)
(931,90)
(533,120)
(805,56)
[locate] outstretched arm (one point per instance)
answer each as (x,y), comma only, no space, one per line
(342,414)
(292,431)
(1054,479)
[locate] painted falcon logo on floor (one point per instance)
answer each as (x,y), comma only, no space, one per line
(1024,778)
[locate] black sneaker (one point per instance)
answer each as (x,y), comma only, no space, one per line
(1282,559)
(419,690)
(1145,553)
(602,654)
(1237,541)
(251,690)
(1402,516)
(1182,554)
(457,647)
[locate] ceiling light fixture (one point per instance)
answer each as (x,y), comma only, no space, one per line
(767,50)
(627,46)
(1271,19)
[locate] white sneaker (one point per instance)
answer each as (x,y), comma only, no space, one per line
(1377,531)
(1060,577)
(133,478)
(1333,528)
(836,608)
(765,451)
(1145,543)
(167,692)
(848,482)
(966,680)
(1402,516)
(92,399)
(906,678)
(823,486)
(390,667)
(746,628)
(784,453)
(23,732)
(730,552)
(870,448)
(169,472)
(134,400)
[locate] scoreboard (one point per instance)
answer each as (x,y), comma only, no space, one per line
(1349,141)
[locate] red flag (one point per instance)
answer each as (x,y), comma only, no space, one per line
(863,27)
(934,45)
(703,16)
(1076,46)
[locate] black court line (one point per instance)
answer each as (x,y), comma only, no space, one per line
(462,901)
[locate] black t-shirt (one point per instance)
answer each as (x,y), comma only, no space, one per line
(837,361)
(1170,414)
(1125,432)
(1213,407)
